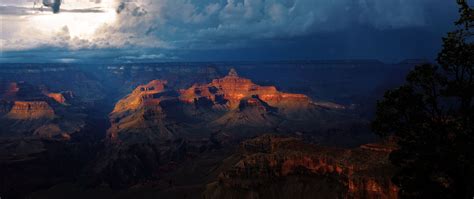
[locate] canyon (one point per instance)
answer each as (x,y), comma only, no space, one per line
(192,129)
(166,126)
(220,106)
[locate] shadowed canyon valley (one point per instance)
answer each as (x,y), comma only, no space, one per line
(195,130)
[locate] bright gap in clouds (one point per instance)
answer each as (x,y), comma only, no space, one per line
(81,24)
(31,26)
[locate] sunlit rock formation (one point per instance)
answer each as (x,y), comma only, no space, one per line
(139,125)
(231,106)
(23,110)
(22,101)
(32,111)
(141,112)
(231,89)
(281,167)
(141,96)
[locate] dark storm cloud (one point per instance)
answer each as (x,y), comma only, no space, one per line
(275,29)
(223,24)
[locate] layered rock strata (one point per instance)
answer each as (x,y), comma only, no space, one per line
(279,167)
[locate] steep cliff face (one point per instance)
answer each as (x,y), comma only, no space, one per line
(142,95)
(58,97)
(22,110)
(23,101)
(231,89)
(141,138)
(31,111)
(140,114)
(279,167)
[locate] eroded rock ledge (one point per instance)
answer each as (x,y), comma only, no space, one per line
(280,167)
(30,110)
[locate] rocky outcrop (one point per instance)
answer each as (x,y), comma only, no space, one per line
(58,97)
(141,112)
(33,111)
(142,136)
(141,96)
(231,89)
(23,101)
(281,167)
(22,110)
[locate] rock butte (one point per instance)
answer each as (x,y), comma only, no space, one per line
(228,91)
(22,110)
(142,95)
(36,112)
(58,97)
(22,101)
(231,89)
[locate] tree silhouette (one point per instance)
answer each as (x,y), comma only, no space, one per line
(431,117)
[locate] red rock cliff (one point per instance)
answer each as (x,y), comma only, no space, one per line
(26,110)
(140,96)
(270,162)
(133,112)
(231,89)
(58,97)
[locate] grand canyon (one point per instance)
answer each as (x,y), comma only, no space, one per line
(196,130)
(236,99)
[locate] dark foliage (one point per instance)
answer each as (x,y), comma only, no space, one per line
(431,116)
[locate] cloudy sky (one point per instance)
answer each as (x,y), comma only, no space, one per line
(202,30)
